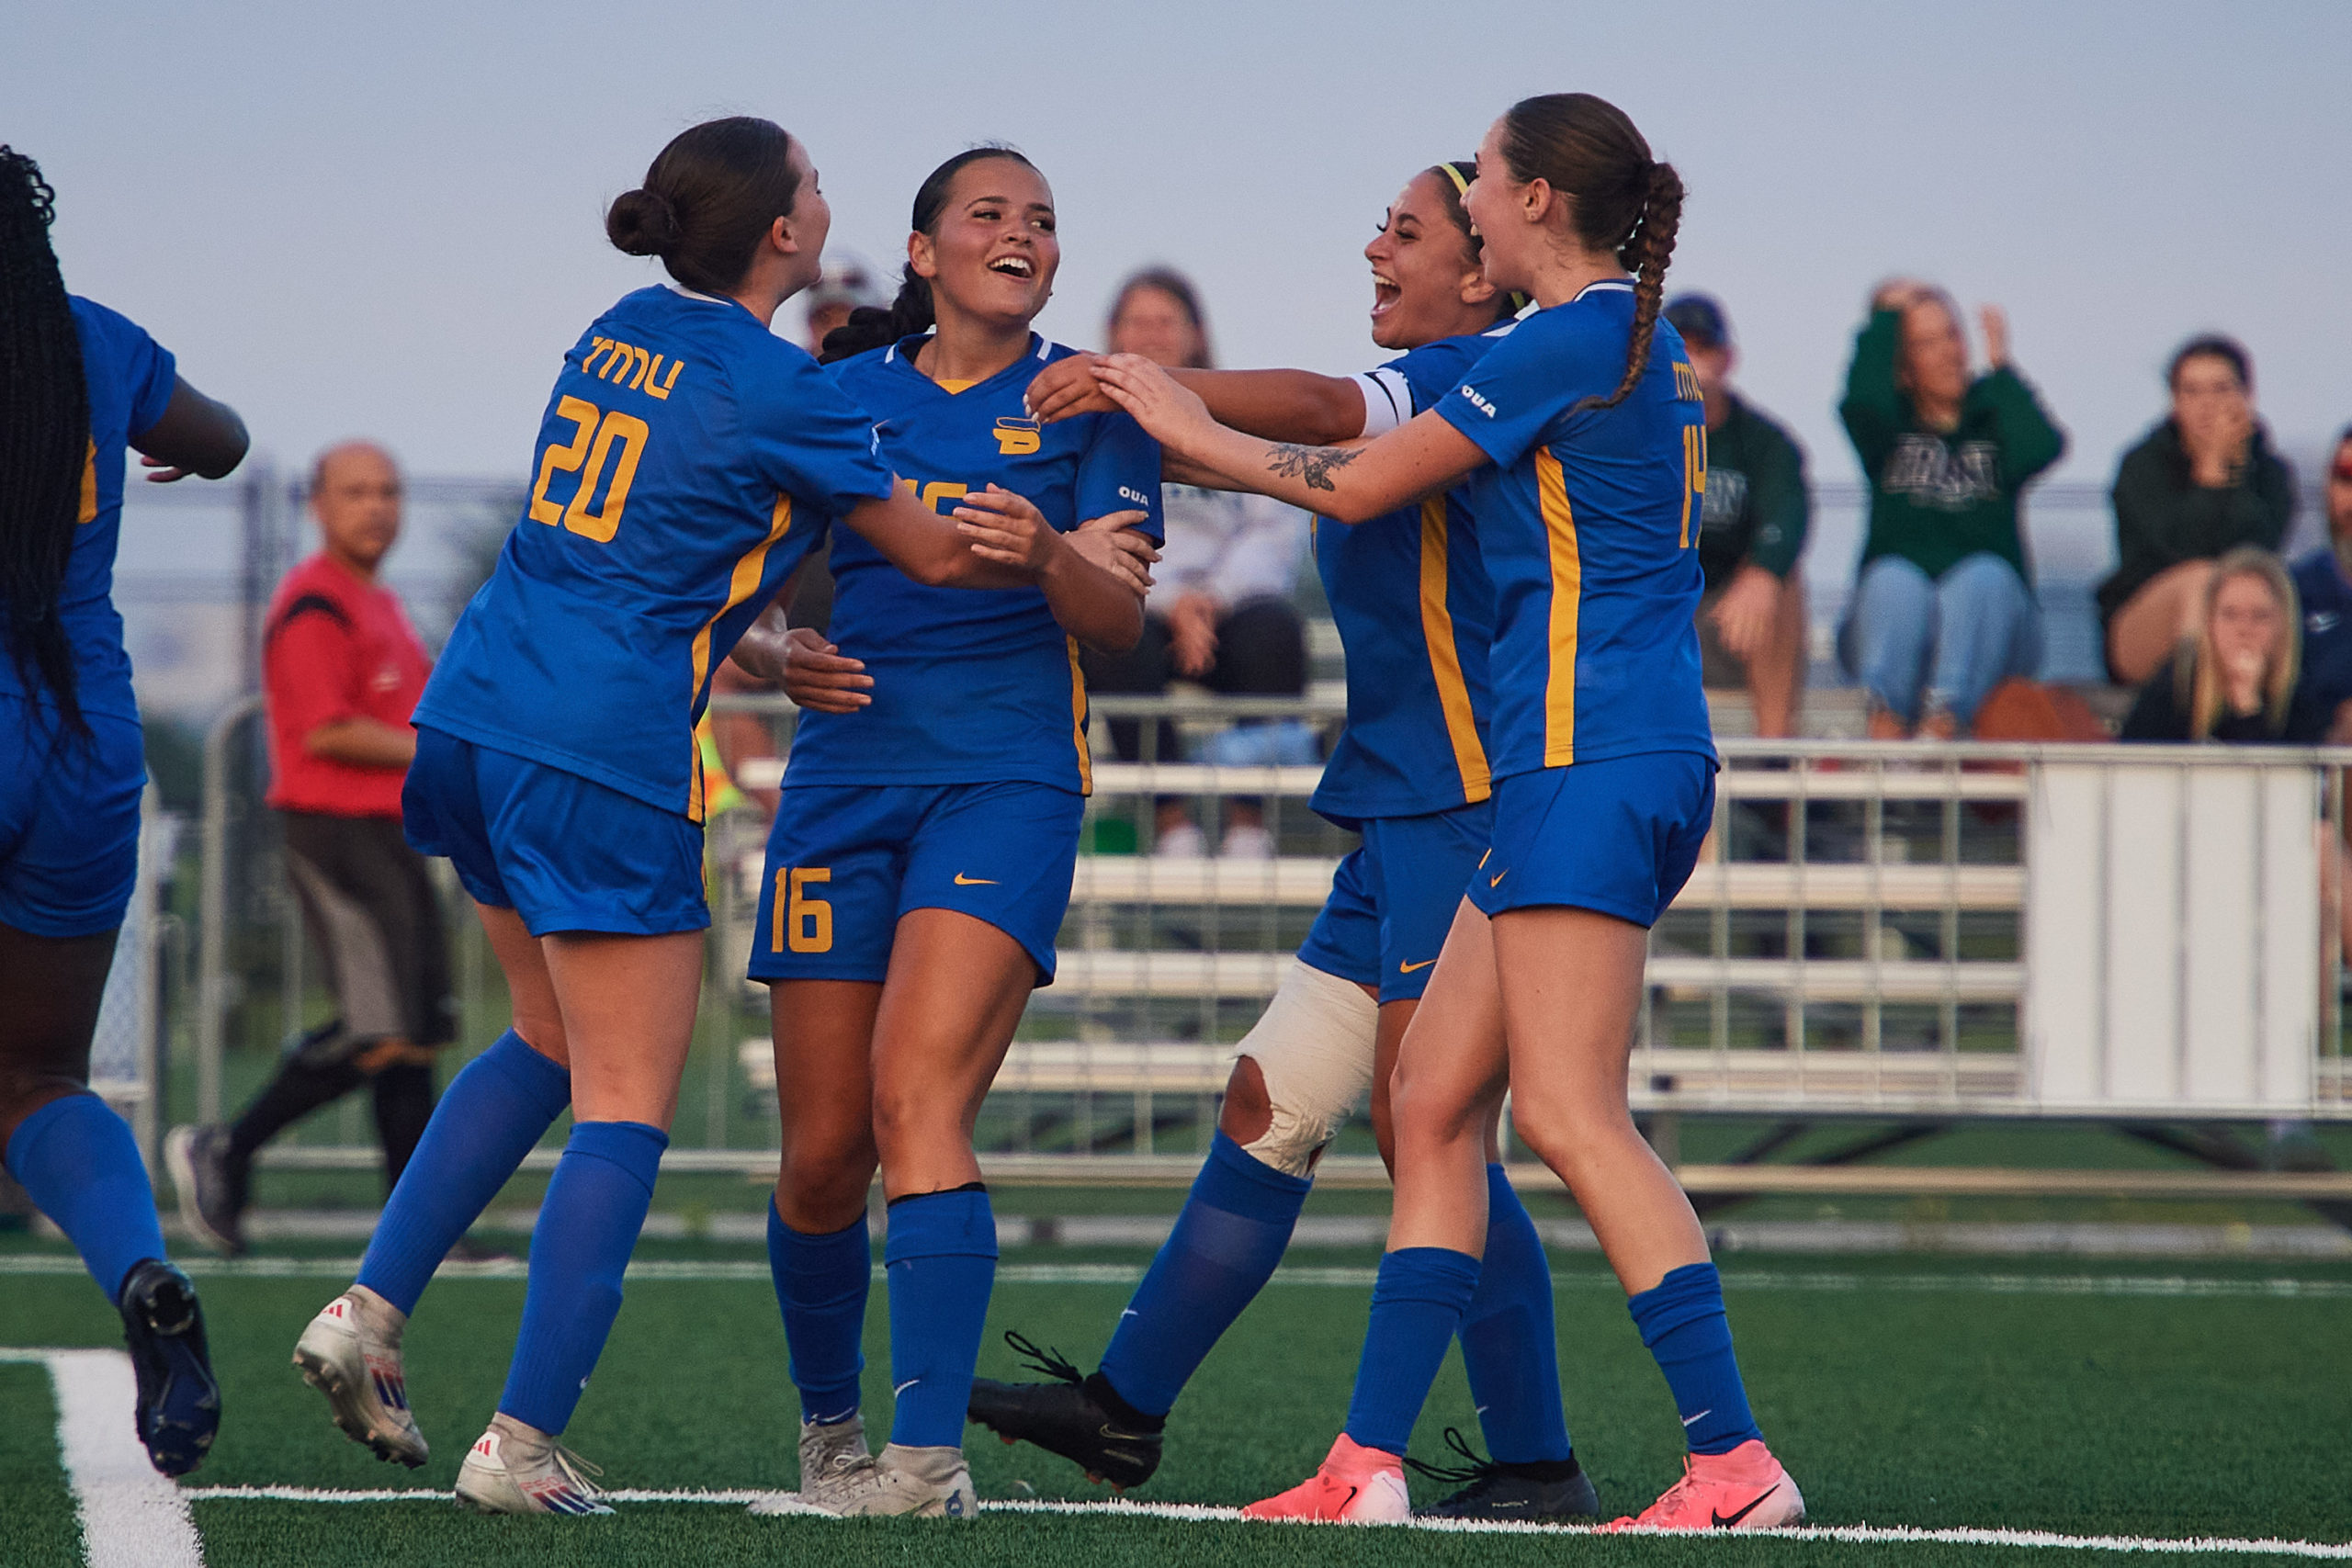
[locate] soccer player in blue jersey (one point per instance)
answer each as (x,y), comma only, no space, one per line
(1583,440)
(78,384)
(1416,612)
(687,461)
(921,860)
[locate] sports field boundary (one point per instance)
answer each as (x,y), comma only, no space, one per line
(131,1518)
(1201,1512)
(1736,1277)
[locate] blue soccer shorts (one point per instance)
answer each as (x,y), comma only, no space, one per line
(69,821)
(564,852)
(846,860)
(1394,900)
(1618,836)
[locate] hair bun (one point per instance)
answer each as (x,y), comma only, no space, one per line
(642,224)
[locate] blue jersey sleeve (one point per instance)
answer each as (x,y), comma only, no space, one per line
(811,440)
(1511,400)
(1121,473)
(1434,369)
(127,357)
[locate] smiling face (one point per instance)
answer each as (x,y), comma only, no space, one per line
(1499,210)
(1426,279)
(992,255)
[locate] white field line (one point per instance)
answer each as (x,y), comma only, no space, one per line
(1196,1512)
(2276,1287)
(131,1517)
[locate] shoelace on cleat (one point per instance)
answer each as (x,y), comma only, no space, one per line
(1673,1496)
(1053,1364)
(576,1469)
(1479,1467)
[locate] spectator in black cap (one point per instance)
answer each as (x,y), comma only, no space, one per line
(1752,618)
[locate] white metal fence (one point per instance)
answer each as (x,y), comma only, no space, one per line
(1876,931)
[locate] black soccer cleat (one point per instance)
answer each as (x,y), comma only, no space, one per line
(1081,1418)
(1549,1494)
(179,1401)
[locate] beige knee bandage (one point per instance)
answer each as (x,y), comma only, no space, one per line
(1314,1047)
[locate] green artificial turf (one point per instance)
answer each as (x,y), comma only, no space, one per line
(1899,1390)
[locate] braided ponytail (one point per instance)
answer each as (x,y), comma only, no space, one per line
(1645,254)
(1621,200)
(44,439)
(870,327)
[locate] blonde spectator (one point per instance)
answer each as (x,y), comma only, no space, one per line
(2233,680)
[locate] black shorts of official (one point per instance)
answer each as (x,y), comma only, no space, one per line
(370,904)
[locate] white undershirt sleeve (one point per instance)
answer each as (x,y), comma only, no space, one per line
(1388,402)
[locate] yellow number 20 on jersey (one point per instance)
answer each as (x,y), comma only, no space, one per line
(587,454)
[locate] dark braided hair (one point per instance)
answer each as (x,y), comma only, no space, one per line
(1621,199)
(44,437)
(1452,177)
(871,327)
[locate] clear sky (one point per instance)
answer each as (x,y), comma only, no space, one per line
(384,219)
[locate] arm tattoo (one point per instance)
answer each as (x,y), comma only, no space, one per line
(1312,464)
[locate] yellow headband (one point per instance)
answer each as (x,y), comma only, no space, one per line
(1461,185)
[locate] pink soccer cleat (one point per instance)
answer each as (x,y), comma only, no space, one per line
(1355,1485)
(1746,1489)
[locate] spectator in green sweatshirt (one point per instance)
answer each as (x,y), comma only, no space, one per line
(2202,483)
(1751,619)
(1943,611)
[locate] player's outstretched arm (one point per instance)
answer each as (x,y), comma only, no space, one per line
(1093,578)
(197,435)
(1348,484)
(929,547)
(1280,405)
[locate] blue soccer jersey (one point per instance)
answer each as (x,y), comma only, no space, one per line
(1588,525)
(1416,614)
(130,380)
(689,459)
(969,687)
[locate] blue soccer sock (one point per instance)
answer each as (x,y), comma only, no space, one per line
(1417,1306)
(820,1287)
(1508,1348)
(588,1224)
(941,1254)
(80,1164)
(1233,1231)
(1681,1320)
(494,1113)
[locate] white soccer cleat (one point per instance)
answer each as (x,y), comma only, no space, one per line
(517,1469)
(920,1483)
(834,1470)
(351,1353)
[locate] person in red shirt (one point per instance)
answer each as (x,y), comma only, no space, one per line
(342,671)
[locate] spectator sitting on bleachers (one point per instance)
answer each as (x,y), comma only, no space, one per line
(2202,482)
(1942,612)
(2324,584)
(2234,679)
(1222,612)
(1751,618)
